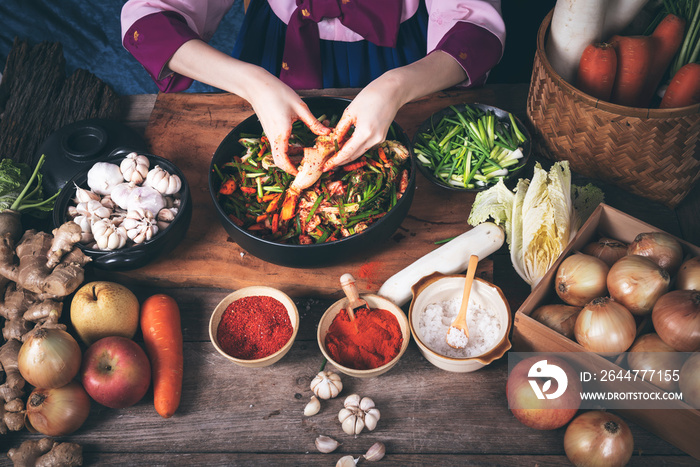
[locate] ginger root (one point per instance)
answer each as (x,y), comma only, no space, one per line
(46,452)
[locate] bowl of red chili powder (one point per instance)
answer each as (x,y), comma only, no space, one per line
(254,326)
(369,345)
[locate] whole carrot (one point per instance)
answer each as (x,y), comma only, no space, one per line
(667,39)
(162,335)
(633,64)
(684,88)
(596,71)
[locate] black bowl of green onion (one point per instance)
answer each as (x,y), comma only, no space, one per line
(470,147)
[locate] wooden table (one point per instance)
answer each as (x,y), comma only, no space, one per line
(231,415)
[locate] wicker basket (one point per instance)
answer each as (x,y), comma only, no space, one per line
(654,153)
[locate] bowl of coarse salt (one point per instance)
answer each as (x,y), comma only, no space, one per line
(435,304)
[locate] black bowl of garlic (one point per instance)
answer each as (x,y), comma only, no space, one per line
(132,209)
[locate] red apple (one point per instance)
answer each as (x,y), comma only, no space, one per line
(553,408)
(116,372)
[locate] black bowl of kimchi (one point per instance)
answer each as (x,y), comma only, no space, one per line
(291,243)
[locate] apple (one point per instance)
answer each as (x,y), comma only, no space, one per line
(100,309)
(116,372)
(557,407)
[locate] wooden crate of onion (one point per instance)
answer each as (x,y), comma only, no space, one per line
(625,286)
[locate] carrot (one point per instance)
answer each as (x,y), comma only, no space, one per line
(633,65)
(162,336)
(684,88)
(596,71)
(667,39)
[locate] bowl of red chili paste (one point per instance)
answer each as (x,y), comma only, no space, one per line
(371,344)
(254,326)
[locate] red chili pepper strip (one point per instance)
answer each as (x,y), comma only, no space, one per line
(274,204)
(228,187)
(355,165)
(235,220)
(382,155)
(248,189)
(270,196)
(260,218)
(275,223)
(257,227)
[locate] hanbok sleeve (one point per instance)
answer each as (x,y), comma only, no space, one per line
(152,31)
(471,31)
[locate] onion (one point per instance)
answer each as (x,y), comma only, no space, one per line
(637,282)
(598,439)
(689,275)
(649,352)
(676,319)
(561,318)
(49,358)
(690,381)
(660,247)
(605,326)
(58,411)
(581,278)
(606,249)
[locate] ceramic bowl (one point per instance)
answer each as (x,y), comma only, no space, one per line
(374,302)
(430,122)
(439,287)
(320,254)
(135,256)
(250,292)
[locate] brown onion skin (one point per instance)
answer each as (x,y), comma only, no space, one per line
(593,331)
(56,368)
(676,318)
(561,318)
(58,411)
(580,278)
(651,353)
(637,283)
(606,249)
(690,381)
(597,439)
(688,277)
(660,247)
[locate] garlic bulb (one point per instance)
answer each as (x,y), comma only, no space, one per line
(140,225)
(108,236)
(86,227)
(135,168)
(358,414)
(103,176)
(326,385)
(83,196)
(326,444)
(120,194)
(163,181)
(93,210)
(146,198)
(108,202)
(165,217)
(312,407)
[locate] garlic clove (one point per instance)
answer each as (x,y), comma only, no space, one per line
(312,407)
(326,444)
(375,452)
(371,418)
(346,461)
(366,403)
(353,400)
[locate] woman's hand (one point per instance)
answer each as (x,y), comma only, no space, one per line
(371,113)
(276,104)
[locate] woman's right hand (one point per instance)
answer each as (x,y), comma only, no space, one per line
(276,104)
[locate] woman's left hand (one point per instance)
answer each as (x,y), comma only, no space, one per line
(371,113)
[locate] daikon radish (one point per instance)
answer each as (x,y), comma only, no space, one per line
(450,258)
(575,25)
(619,15)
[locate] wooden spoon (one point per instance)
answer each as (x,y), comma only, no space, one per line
(347,282)
(458,333)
